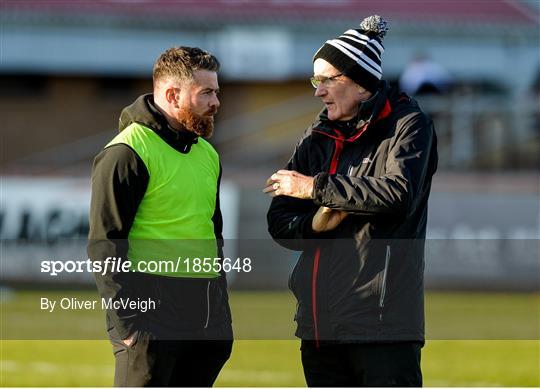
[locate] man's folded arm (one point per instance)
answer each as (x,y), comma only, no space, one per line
(407,166)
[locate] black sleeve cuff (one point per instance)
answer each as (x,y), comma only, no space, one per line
(319,188)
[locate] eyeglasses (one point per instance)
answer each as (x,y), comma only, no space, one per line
(316,81)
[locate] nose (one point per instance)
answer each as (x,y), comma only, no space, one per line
(320,91)
(215,102)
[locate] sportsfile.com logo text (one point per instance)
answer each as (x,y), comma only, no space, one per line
(117,265)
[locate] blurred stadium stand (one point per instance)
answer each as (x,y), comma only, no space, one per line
(68,67)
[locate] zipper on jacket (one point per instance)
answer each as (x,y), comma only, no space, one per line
(339,141)
(383,291)
(337,154)
(207,305)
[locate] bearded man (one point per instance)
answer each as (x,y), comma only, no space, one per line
(155,198)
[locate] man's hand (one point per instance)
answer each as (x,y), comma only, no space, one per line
(327,219)
(129,341)
(290,183)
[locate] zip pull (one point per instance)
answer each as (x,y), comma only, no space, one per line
(385,274)
(291,223)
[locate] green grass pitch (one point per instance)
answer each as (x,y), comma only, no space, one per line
(266,354)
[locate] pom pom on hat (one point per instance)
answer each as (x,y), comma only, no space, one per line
(375,24)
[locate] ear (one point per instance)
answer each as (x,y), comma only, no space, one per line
(172,95)
(363,93)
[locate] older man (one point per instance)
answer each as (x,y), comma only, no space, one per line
(354,199)
(155,202)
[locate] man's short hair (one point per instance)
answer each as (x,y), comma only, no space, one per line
(181,62)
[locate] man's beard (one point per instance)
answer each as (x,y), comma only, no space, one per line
(203,126)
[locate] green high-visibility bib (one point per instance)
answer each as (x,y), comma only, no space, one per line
(174,220)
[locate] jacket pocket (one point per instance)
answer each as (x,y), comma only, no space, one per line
(384,285)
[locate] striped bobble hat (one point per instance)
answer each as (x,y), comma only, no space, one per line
(357,53)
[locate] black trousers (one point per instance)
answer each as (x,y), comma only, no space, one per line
(151,362)
(371,364)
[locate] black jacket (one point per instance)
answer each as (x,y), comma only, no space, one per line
(119,182)
(362,281)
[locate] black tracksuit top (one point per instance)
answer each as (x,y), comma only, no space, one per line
(363,281)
